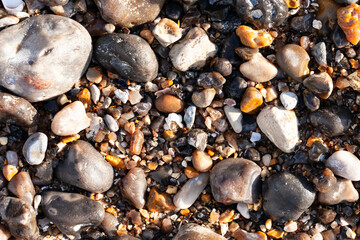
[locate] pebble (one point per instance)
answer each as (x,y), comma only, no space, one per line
(289,100)
(159,202)
(49,47)
(201,161)
(189,117)
(325,180)
(243,210)
(22,187)
(168,103)
(344,164)
(235,88)
(253,38)
(319,53)
(95,93)
(134,187)
(204,98)
(111,123)
(198,139)
(51,3)
(258,69)
(290,226)
(320,84)
(20,218)
(255,137)
(211,80)
(286,196)
(83,166)
(332,121)
(280,126)
(342,191)
(293,60)
(192,189)
(235,180)
(262,13)
(110,225)
(70,120)
(311,101)
(167,32)
(34,148)
(129,13)
(234,117)
(192,231)
(12,158)
(128,55)
(298,236)
(122,95)
(223,66)
(8,21)
(136,142)
(348,19)
(16,110)
(251,101)
(193,51)
(71,212)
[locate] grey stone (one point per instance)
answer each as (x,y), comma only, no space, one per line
(95,93)
(288,100)
(321,84)
(193,231)
(111,123)
(189,117)
(198,138)
(234,116)
(319,53)
(34,148)
(344,164)
(134,187)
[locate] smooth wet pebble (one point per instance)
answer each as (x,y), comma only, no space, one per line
(201,161)
(234,116)
(34,148)
(342,191)
(111,123)
(344,164)
(134,187)
(320,84)
(289,100)
(22,187)
(258,69)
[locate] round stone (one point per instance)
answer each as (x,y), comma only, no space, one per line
(289,100)
(344,164)
(201,161)
(111,123)
(204,98)
(169,104)
(320,84)
(35,148)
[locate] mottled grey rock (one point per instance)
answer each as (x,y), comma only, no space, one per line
(30,47)
(344,164)
(134,187)
(20,218)
(111,123)
(128,55)
(321,84)
(342,191)
(189,117)
(129,13)
(22,187)
(16,110)
(84,167)
(71,212)
(193,231)
(319,53)
(235,180)
(286,196)
(34,148)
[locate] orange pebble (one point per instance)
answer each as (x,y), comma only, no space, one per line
(84,96)
(70,139)
(253,38)
(115,162)
(9,171)
(190,172)
(349,21)
(293,3)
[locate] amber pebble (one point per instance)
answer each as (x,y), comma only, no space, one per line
(169,104)
(349,21)
(325,180)
(159,202)
(147,35)
(201,161)
(342,82)
(251,101)
(84,96)
(191,172)
(9,171)
(293,3)
(136,142)
(253,38)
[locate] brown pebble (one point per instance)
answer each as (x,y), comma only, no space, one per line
(297,236)
(22,187)
(169,104)
(342,82)
(325,180)
(135,217)
(136,142)
(329,235)
(147,35)
(327,215)
(159,202)
(203,98)
(246,53)
(201,161)
(166,225)
(252,101)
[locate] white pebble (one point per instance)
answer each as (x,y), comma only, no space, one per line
(35,147)
(317,236)
(173,117)
(13,6)
(3,141)
(317,24)
(37,201)
(266,159)
(8,20)
(243,210)
(122,95)
(290,226)
(288,100)
(255,137)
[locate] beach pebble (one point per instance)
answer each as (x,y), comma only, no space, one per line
(344,164)
(95,93)
(234,117)
(136,142)
(311,101)
(111,123)
(342,191)
(189,117)
(204,98)
(167,32)
(22,187)
(201,161)
(211,80)
(168,103)
(319,53)
(34,148)
(193,231)
(243,210)
(289,100)
(198,139)
(320,84)
(251,101)
(258,69)
(134,186)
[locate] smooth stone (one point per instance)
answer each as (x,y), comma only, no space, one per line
(332,121)
(134,187)
(110,225)
(70,120)
(293,60)
(34,148)
(289,100)
(201,161)
(129,13)
(198,139)
(311,101)
(251,101)
(204,98)
(234,116)
(192,189)
(22,187)
(167,32)
(128,55)
(324,181)
(111,123)
(211,80)
(193,51)
(84,167)
(223,66)
(189,117)
(280,126)
(320,84)
(19,217)
(95,93)
(286,196)
(243,210)
(168,103)
(42,174)
(344,164)
(17,110)
(136,142)
(50,41)
(52,3)
(319,53)
(71,212)
(258,69)
(342,191)
(235,180)
(193,231)
(235,89)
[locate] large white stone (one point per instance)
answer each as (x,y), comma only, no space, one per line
(344,164)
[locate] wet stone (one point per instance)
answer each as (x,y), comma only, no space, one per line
(320,84)
(168,103)
(22,187)
(173,10)
(211,80)
(193,231)
(235,180)
(319,53)
(71,212)
(24,61)
(327,215)
(258,69)
(83,166)
(332,121)
(34,148)
(318,151)
(344,164)
(325,180)
(204,98)
(311,101)
(286,196)
(42,173)
(198,139)
(342,191)
(128,55)
(134,187)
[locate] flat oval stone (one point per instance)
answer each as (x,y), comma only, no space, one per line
(22,187)
(258,69)
(85,167)
(51,40)
(111,123)
(332,121)
(344,164)
(201,161)
(321,84)
(128,55)
(235,180)
(251,101)
(34,148)
(134,187)
(71,212)
(129,13)
(168,103)
(286,196)
(17,110)
(70,120)
(193,231)
(342,191)
(280,126)
(204,98)
(289,100)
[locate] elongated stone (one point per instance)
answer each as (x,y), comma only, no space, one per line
(35,148)
(344,164)
(134,187)
(136,142)
(22,187)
